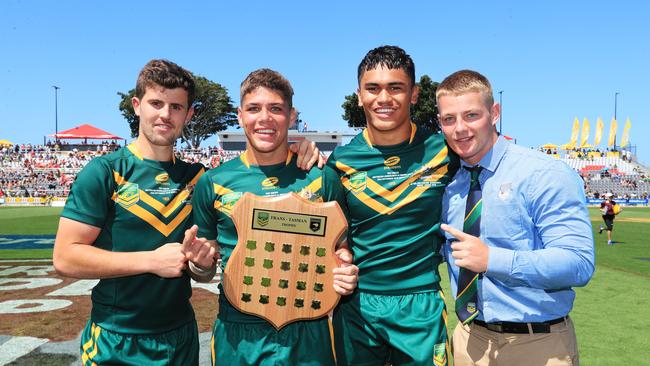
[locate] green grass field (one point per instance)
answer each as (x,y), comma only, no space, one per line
(608,313)
(28,221)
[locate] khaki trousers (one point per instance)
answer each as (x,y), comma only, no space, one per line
(477,346)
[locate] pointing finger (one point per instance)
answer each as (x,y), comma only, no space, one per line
(190,235)
(455,232)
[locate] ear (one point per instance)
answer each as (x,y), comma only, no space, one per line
(496,112)
(293,117)
(135,102)
(190,114)
(414,94)
(239,118)
(359,103)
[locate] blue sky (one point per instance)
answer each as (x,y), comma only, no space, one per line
(554,60)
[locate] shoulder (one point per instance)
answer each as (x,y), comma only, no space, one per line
(190,170)
(207,176)
(356,143)
(103,164)
(535,160)
(235,163)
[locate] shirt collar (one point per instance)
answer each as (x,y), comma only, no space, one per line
(493,157)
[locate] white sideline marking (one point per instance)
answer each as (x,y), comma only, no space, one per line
(18,347)
(24,260)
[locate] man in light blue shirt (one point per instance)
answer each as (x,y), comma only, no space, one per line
(535,241)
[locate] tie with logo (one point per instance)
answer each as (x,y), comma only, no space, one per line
(466,297)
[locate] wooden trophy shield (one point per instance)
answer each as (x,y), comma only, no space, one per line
(281,268)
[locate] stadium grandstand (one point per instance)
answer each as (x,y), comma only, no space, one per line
(43,174)
(612,171)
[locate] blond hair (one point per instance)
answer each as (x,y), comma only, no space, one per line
(463,82)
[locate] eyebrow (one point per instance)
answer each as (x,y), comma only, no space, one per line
(255,104)
(392,83)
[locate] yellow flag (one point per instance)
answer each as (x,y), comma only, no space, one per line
(626,133)
(574,133)
(612,133)
(585,133)
(599,131)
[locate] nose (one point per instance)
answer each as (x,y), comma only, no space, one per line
(460,126)
(165,112)
(383,96)
(265,114)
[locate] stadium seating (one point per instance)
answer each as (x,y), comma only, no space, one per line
(38,174)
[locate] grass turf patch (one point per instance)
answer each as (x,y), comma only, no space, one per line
(29,220)
(608,312)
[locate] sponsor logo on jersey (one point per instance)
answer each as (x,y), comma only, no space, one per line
(262,218)
(270,182)
(439,354)
(162,178)
(128,194)
(358,181)
(392,161)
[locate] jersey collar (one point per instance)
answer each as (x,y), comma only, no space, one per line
(134,150)
(366,136)
(244,158)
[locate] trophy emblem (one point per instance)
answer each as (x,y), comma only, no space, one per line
(281,268)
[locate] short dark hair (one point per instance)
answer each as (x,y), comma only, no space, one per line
(166,74)
(390,57)
(269,79)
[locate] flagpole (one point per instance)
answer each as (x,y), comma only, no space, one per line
(615,107)
(500,109)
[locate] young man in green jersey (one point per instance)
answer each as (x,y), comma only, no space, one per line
(393,174)
(266,168)
(127,222)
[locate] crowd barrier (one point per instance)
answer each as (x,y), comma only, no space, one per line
(33,201)
(620,201)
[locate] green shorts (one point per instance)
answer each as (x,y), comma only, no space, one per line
(409,329)
(300,343)
(104,347)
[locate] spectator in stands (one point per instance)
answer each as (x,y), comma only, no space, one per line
(607,208)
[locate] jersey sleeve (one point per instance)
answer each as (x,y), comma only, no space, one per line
(91,194)
(333,189)
(203,210)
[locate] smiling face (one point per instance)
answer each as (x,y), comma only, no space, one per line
(266,117)
(163,113)
(468,123)
(386,96)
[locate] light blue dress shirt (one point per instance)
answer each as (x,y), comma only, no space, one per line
(536,223)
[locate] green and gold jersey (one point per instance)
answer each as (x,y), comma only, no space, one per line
(139,205)
(220,188)
(392,195)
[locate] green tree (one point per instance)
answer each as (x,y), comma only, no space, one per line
(126,108)
(352,112)
(424,113)
(213,112)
